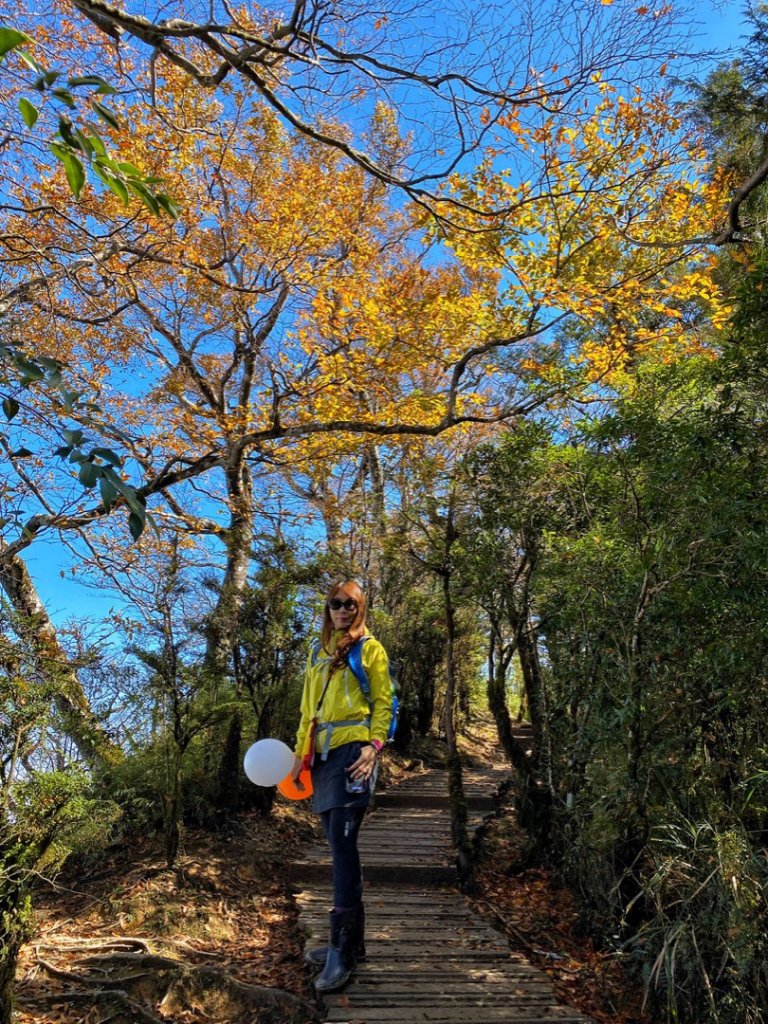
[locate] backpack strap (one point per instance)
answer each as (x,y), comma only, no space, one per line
(355,662)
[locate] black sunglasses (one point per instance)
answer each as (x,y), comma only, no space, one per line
(335,604)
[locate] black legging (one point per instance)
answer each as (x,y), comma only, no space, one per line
(341,825)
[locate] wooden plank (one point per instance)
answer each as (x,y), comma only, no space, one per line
(395,905)
(384,856)
(484,972)
(377,931)
(385,899)
(445,929)
(409,953)
(459,1014)
(454,930)
(418,922)
(417,998)
(383,984)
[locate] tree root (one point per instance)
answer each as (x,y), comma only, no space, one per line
(112,942)
(118,942)
(175,987)
(133,1011)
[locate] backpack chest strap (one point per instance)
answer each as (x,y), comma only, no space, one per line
(327,729)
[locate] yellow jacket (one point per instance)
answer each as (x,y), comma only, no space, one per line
(344,701)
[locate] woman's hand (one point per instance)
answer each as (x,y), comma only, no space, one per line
(296,770)
(364,765)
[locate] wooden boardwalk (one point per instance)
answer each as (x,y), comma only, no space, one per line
(430,958)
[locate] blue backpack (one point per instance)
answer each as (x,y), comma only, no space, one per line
(355,662)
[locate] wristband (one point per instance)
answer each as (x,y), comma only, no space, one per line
(377,745)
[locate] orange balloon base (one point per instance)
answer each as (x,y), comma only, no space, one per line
(298,790)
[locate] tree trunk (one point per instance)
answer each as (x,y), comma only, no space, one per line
(537,794)
(376,476)
(498,663)
(172,812)
(78,721)
(228,782)
(464,856)
(12,913)
(16,858)
(222,623)
(537,699)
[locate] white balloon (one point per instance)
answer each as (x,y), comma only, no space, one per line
(267,762)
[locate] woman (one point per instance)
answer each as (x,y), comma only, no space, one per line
(341,735)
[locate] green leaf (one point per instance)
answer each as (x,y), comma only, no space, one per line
(10,407)
(136,525)
(107,455)
(65,131)
(106,115)
(108,491)
(89,474)
(113,184)
(21,453)
(98,144)
(49,363)
(171,208)
(30,61)
(84,143)
(73,437)
(103,87)
(135,503)
(75,172)
(108,163)
(73,168)
(145,195)
(46,78)
(70,399)
(10,38)
(64,452)
(65,96)
(130,169)
(29,112)
(30,371)
(76,80)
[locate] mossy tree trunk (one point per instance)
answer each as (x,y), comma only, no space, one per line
(15,919)
(78,722)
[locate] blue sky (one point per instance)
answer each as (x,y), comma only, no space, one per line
(720,27)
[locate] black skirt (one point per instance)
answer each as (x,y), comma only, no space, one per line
(330,780)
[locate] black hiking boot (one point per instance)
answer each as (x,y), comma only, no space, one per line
(317,957)
(340,957)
